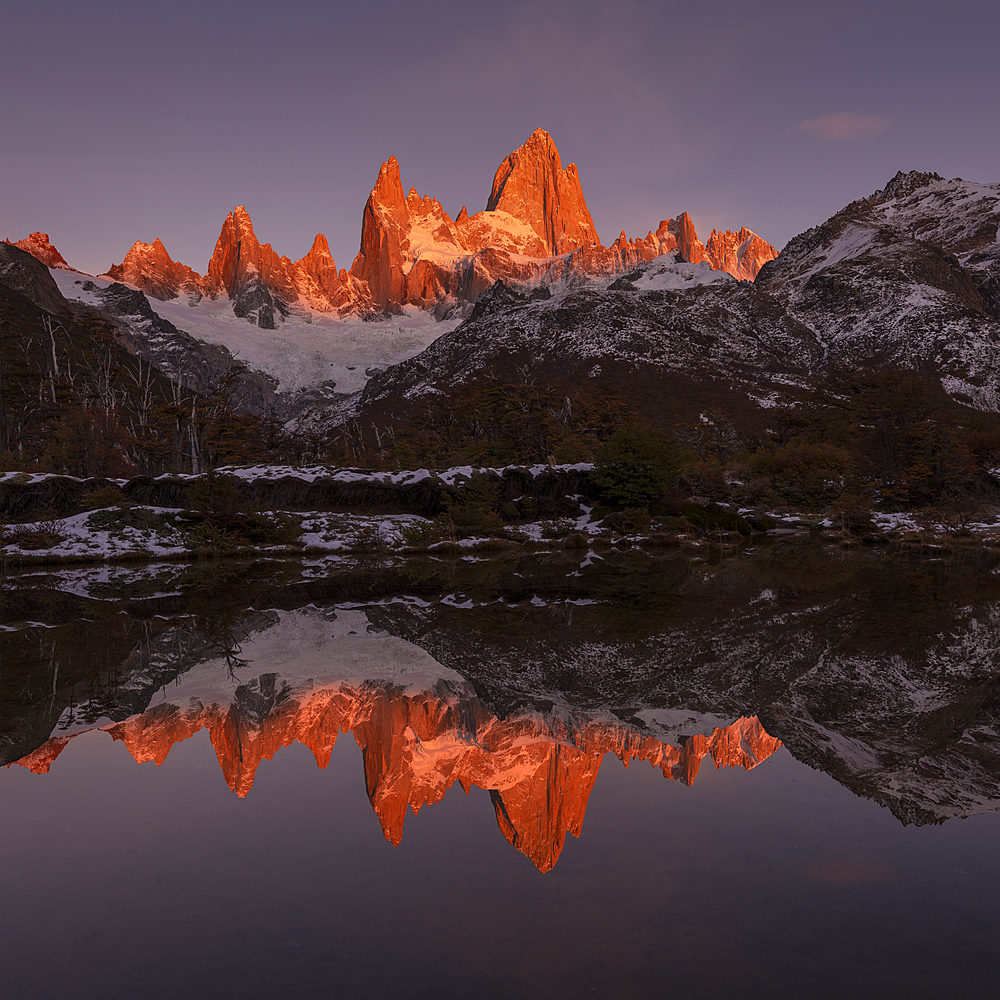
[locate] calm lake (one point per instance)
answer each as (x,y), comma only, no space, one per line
(769,773)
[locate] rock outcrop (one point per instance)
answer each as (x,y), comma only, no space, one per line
(262,285)
(742,254)
(22,271)
(536,229)
(39,246)
(909,276)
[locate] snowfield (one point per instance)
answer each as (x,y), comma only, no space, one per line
(308,348)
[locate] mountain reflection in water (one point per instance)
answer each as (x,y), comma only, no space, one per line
(519,674)
(539,770)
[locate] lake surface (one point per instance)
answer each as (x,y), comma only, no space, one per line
(768,773)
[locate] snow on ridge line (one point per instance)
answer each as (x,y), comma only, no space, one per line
(313,473)
(401,476)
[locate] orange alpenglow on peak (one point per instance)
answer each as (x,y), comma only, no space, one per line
(38,245)
(538,770)
(532,185)
(536,229)
(238,261)
(148,267)
(742,254)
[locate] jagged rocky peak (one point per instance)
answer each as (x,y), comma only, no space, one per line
(150,268)
(532,186)
(536,230)
(388,192)
(691,249)
(39,246)
(236,255)
(904,184)
(256,279)
(25,273)
(384,231)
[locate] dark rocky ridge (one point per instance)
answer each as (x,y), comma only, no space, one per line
(20,271)
(199,365)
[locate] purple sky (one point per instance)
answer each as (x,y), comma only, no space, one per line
(126,121)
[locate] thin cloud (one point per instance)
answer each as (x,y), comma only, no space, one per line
(845,127)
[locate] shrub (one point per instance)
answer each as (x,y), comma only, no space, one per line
(39,538)
(217,493)
(474,504)
(632,521)
(806,473)
(634,467)
(557,529)
(106,496)
(420,533)
(713,517)
(238,530)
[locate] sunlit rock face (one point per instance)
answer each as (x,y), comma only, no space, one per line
(532,186)
(264,285)
(536,229)
(261,284)
(38,245)
(539,770)
(148,267)
(742,254)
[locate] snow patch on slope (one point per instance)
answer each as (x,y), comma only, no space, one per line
(306,350)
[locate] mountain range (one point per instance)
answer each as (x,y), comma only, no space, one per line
(906,278)
(535,228)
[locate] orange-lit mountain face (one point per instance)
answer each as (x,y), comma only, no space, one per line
(38,245)
(536,229)
(539,770)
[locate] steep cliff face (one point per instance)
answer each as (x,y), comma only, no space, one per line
(532,186)
(384,239)
(24,273)
(910,276)
(536,229)
(38,245)
(742,254)
(262,285)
